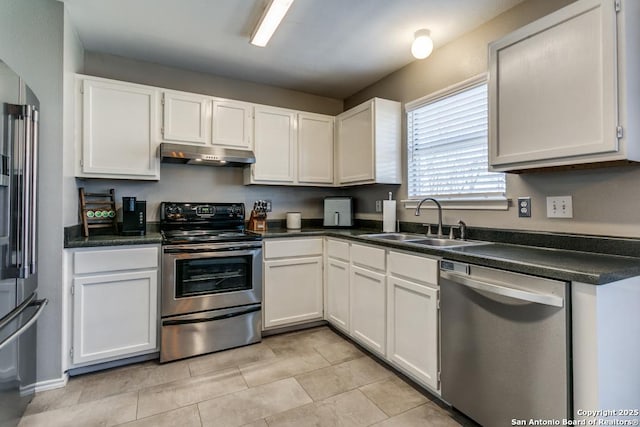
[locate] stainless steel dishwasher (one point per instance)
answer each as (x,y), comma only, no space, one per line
(505,340)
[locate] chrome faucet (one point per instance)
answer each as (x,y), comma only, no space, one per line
(439,212)
(463,230)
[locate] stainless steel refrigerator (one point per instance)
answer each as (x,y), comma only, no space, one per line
(19,303)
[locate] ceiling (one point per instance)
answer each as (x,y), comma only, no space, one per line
(332,48)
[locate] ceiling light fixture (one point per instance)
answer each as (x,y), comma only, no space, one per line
(422,44)
(269,21)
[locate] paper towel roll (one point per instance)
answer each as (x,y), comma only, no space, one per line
(388,216)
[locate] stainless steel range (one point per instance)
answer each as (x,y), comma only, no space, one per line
(211,279)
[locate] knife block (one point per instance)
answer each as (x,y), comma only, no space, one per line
(257,221)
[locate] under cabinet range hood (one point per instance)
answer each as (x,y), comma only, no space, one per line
(210,156)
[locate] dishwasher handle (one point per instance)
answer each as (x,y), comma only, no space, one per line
(500,289)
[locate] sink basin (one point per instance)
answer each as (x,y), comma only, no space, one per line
(397,237)
(445,243)
(421,239)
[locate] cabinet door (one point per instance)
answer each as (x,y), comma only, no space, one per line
(338,293)
(315,148)
(119,121)
(185,117)
(368,305)
(114,315)
(412,329)
(232,124)
(553,88)
(292,291)
(356,145)
(274,137)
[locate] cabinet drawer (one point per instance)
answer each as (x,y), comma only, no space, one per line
(103,260)
(338,249)
(292,248)
(413,267)
(368,257)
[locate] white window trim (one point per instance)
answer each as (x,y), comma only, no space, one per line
(469,203)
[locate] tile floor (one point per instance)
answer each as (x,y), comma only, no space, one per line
(305,378)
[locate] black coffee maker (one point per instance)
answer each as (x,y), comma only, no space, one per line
(134,217)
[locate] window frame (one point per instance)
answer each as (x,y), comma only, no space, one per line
(475,202)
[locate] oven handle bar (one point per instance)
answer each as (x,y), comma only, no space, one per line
(192,249)
(211,319)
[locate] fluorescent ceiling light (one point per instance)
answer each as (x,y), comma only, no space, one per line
(270,20)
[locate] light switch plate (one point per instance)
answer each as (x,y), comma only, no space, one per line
(560,207)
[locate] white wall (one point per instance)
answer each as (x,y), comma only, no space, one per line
(605,201)
(31,43)
(131,70)
(73,63)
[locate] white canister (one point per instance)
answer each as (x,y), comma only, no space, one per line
(294,220)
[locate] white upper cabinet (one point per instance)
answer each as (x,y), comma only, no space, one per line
(118,126)
(315,148)
(558,89)
(274,145)
(232,124)
(198,119)
(185,117)
(368,141)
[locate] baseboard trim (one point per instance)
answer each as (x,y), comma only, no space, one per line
(52,384)
(293,328)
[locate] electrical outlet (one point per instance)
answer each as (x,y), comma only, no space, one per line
(560,207)
(268,203)
(524,207)
(378,206)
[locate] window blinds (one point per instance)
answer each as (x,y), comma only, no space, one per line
(448,151)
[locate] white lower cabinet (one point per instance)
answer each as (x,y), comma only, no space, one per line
(114,303)
(412,329)
(413,317)
(337,310)
(292,281)
(387,301)
(337,283)
(368,303)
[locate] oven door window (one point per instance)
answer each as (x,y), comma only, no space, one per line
(205,276)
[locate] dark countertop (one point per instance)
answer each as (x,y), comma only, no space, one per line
(151,238)
(560,264)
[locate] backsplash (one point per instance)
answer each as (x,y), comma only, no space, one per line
(182,183)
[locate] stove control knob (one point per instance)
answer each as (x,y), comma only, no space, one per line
(173,211)
(234,211)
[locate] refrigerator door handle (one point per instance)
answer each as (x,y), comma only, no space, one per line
(41,305)
(27,196)
(33,191)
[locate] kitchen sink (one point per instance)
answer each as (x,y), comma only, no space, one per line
(446,243)
(398,237)
(421,239)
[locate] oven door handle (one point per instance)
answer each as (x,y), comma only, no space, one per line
(211,319)
(210,253)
